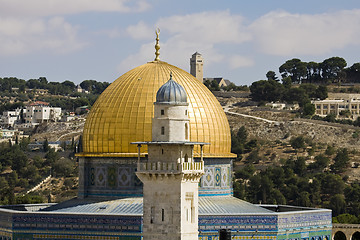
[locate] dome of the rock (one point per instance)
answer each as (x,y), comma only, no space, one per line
(123,114)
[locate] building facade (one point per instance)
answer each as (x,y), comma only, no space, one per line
(339,104)
(39,112)
(9,118)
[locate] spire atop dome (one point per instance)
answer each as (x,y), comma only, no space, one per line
(157,45)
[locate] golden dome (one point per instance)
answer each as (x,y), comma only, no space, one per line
(123,114)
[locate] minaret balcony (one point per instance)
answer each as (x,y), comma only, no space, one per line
(171,168)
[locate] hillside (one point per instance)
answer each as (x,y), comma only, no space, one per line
(271,132)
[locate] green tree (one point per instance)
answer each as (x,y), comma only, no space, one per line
(330,150)
(321,92)
(331,117)
(331,184)
(271,75)
(341,161)
(253,189)
(294,68)
(253,157)
(297,142)
(51,156)
(332,67)
(246,172)
(46,145)
(298,95)
(242,135)
(346,218)
(239,190)
(309,89)
(238,141)
(277,197)
(286,82)
(352,196)
(300,166)
(264,90)
(321,162)
(309,109)
(304,199)
(313,72)
(337,204)
(63,167)
(353,73)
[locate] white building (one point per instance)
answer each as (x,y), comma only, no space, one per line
(9,118)
(79,89)
(339,104)
(39,112)
(11,134)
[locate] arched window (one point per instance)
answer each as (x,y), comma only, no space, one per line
(186,132)
(355,236)
(186,158)
(339,236)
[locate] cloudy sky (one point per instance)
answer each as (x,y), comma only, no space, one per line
(240,40)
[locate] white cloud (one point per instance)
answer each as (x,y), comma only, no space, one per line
(21,36)
(31,26)
(206,27)
(60,7)
(181,36)
(285,34)
(237,61)
(140,31)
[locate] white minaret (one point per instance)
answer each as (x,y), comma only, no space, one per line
(196,66)
(170,175)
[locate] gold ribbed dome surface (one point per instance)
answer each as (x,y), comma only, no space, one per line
(123,114)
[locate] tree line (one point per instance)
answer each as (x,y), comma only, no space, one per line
(66,87)
(331,70)
(14,94)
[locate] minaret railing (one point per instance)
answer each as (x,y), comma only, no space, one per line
(170,167)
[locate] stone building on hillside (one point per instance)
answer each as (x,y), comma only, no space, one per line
(39,112)
(339,104)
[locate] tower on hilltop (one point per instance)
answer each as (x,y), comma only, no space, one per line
(196,66)
(170,175)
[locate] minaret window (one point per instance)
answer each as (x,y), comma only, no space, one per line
(192,214)
(152,214)
(186,131)
(162,130)
(162,215)
(162,112)
(185,112)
